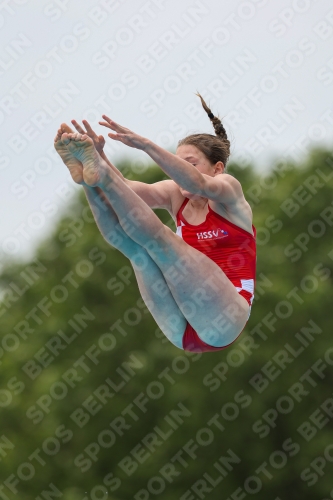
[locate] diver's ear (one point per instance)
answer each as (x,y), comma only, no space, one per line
(218,168)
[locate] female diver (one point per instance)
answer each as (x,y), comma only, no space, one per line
(198,283)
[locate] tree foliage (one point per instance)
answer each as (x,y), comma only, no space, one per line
(96,403)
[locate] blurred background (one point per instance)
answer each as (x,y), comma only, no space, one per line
(95,402)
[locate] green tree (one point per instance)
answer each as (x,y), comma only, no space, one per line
(94,398)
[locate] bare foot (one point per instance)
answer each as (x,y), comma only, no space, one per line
(82,147)
(75,167)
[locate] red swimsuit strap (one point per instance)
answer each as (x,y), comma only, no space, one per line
(180,211)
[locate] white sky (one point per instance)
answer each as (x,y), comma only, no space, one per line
(266,66)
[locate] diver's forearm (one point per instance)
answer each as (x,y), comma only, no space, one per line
(182,172)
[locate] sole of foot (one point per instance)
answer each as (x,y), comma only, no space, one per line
(83,149)
(74,166)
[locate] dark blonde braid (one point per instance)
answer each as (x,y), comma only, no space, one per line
(217,124)
(215,147)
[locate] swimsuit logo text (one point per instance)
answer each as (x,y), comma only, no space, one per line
(216,234)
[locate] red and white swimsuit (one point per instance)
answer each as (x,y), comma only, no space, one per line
(232,248)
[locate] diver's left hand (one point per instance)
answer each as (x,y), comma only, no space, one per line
(124,135)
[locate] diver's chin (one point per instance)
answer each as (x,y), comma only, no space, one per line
(186,194)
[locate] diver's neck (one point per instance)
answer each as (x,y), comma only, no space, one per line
(198,203)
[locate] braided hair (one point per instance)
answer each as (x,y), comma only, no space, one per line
(214,147)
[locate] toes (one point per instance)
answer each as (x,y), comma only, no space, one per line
(65,138)
(82,137)
(65,128)
(74,137)
(58,135)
